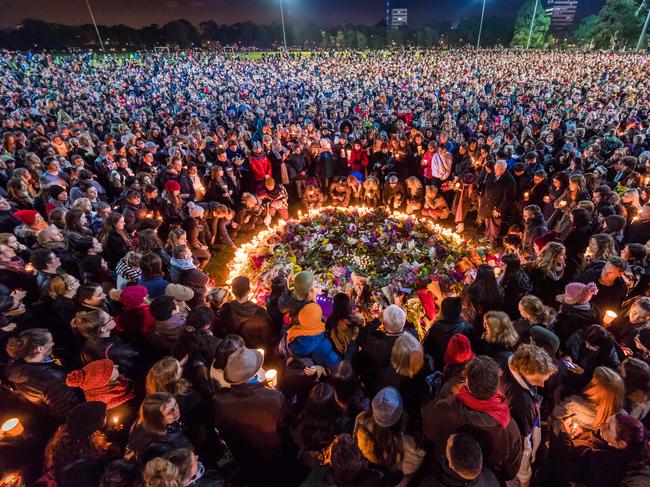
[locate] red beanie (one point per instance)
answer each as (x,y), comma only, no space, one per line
(172,186)
(133,296)
(93,376)
(459,350)
(27,217)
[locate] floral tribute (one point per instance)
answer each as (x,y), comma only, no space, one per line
(362,248)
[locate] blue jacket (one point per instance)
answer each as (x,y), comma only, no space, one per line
(317,347)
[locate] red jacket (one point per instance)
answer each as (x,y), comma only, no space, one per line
(425,164)
(260,167)
(358,160)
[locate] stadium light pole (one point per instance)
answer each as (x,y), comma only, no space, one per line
(532,23)
(284,33)
(480,27)
(643,32)
(101,43)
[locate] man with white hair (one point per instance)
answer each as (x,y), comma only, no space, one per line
(376,342)
(496,198)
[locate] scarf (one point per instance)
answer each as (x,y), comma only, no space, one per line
(495,406)
(14,265)
(300,330)
(341,335)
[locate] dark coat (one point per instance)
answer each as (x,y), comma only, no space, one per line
(443,476)
(638,232)
(121,353)
(248,416)
(516,288)
(576,244)
(43,384)
(524,402)
(573,318)
(502,447)
(498,194)
(195,279)
(114,249)
(144,446)
(249,321)
(438,336)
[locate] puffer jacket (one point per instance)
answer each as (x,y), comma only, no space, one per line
(318,347)
(43,384)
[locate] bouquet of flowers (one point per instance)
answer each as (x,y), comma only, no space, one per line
(343,247)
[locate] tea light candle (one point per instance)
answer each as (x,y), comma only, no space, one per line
(526,195)
(609,317)
(12,427)
(271,377)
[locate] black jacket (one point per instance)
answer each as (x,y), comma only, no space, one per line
(573,318)
(437,339)
(251,322)
(144,446)
(498,194)
(443,476)
(121,353)
(248,416)
(43,384)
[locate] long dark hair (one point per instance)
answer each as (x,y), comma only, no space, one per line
(485,290)
(513,268)
(341,308)
(110,227)
(318,422)
(73,222)
(344,380)
(387,443)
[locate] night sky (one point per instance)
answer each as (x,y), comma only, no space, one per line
(325,12)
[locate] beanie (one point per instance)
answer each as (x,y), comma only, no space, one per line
(172,186)
(55,190)
(195,210)
(578,293)
(303,282)
(133,296)
(92,376)
(451,308)
(545,338)
(85,419)
(459,350)
(387,407)
(26,217)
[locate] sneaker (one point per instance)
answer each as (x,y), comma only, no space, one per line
(460,228)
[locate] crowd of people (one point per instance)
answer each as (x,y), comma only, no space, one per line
(127,365)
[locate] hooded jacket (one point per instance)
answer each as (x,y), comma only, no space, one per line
(318,347)
(437,339)
(502,447)
(249,321)
(43,384)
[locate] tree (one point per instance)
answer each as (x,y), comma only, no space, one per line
(541,26)
(361,41)
(585,30)
(617,24)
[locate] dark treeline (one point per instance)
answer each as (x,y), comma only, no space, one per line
(35,34)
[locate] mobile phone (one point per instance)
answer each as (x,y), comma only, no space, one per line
(570,364)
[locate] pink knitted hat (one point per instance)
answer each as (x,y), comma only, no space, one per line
(578,293)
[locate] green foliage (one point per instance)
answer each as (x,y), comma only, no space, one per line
(541,27)
(617,25)
(585,30)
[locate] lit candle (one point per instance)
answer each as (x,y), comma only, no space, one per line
(116,420)
(562,204)
(457,186)
(29,267)
(609,317)
(526,195)
(12,427)
(271,377)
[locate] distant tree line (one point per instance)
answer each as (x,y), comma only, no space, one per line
(617,25)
